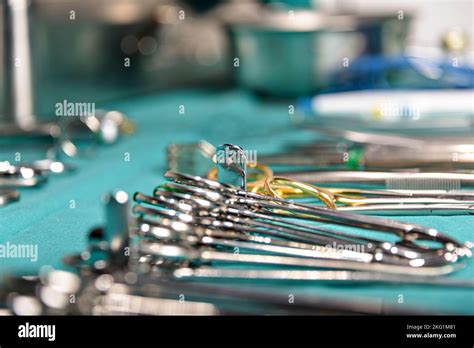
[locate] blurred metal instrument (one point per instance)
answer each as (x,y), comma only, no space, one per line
(390,180)
(148,294)
(426,156)
(80,135)
(308,276)
(8,196)
(19,176)
(19,71)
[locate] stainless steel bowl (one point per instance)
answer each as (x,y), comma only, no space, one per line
(295,53)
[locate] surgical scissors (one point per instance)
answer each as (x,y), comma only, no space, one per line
(181,243)
(183,232)
(409,233)
(242,220)
(200,226)
(365,201)
(378,201)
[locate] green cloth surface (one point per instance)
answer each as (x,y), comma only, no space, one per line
(44,217)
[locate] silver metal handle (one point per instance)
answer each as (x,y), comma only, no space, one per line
(19,69)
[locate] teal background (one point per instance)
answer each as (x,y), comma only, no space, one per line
(43,216)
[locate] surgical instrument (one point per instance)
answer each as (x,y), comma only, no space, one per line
(379,201)
(49,166)
(20,80)
(383,157)
(265,182)
(74,136)
(131,288)
(8,196)
(219,192)
(166,232)
(104,126)
(15,176)
(43,166)
(315,276)
(121,293)
(390,180)
(176,254)
(171,227)
(396,109)
(247,222)
(390,138)
(109,283)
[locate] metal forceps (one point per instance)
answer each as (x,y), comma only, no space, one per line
(409,233)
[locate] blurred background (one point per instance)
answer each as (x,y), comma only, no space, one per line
(109,49)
